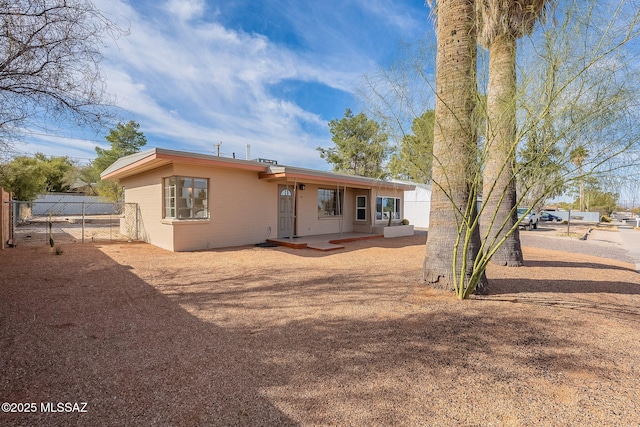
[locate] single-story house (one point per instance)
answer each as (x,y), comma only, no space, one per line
(189,201)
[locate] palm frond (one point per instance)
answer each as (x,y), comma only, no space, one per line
(514,18)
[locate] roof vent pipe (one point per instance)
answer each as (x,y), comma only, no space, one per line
(248,151)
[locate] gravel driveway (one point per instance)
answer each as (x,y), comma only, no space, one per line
(276,337)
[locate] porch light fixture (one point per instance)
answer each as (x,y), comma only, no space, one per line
(302,186)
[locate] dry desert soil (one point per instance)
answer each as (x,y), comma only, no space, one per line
(255,336)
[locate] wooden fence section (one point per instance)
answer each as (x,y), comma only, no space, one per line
(5,217)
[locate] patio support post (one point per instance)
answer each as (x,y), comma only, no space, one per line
(344,194)
(341,217)
(293,212)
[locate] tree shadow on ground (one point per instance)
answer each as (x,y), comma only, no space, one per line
(617,309)
(574,264)
(510,286)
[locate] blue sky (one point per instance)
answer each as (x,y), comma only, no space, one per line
(271,74)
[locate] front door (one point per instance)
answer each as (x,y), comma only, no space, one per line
(285,211)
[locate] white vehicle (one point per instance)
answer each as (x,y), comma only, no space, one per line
(529,220)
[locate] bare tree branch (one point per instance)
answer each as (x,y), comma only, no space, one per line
(50,56)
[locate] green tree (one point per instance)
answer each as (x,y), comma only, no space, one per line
(88,177)
(594,197)
(361,146)
(125,139)
(587,101)
(540,169)
(569,94)
(500,24)
(578,156)
(540,161)
(413,161)
(59,172)
(453,242)
(25,177)
(597,199)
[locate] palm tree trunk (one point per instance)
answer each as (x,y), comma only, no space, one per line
(454,147)
(499,187)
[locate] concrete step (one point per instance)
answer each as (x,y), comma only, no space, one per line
(324,246)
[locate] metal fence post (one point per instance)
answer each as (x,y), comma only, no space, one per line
(110,227)
(137,222)
(83,214)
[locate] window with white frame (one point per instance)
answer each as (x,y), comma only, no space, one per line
(186,197)
(329,202)
(388,206)
(361,208)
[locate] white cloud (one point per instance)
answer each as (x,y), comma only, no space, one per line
(187,78)
(402,18)
(78,149)
(185,9)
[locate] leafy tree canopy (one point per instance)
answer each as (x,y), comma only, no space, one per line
(125,139)
(26,177)
(361,146)
(414,158)
(59,172)
(596,198)
(541,169)
(87,176)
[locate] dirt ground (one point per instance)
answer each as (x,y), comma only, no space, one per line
(275,337)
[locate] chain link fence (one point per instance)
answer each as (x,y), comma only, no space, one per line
(53,223)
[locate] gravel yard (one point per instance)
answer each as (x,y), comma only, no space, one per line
(276,336)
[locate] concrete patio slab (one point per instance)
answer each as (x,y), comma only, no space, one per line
(323,242)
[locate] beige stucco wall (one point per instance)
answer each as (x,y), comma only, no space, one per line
(146,190)
(241,209)
(308,221)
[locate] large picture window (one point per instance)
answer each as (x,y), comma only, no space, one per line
(186,197)
(386,206)
(329,202)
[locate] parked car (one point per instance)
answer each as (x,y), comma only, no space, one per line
(528,220)
(547,216)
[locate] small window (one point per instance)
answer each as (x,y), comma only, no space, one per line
(186,197)
(330,202)
(388,206)
(361,208)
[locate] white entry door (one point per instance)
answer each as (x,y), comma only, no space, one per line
(285,211)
